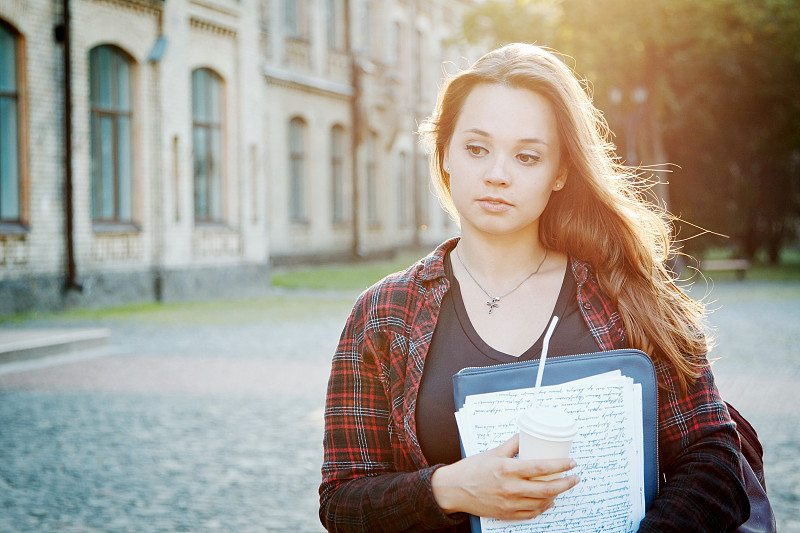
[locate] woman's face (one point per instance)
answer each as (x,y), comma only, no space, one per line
(504,161)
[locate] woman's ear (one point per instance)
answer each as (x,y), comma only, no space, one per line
(561,180)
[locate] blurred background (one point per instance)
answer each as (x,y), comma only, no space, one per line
(192,193)
(161,150)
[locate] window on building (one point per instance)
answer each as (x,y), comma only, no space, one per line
(264,15)
(112,158)
(396,43)
(366,26)
(297,171)
(372,180)
(338,214)
(264,22)
(295,19)
(290,18)
(420,62)
(9,128)
(334,20)
(207,145)
(403,181)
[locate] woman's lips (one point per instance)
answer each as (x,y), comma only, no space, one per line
(494,205)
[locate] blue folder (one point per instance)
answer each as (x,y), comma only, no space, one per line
(633,363)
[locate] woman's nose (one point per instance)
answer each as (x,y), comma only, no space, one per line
(497,174)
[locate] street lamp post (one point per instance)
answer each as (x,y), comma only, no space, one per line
(630,108)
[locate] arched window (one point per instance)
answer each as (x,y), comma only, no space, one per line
(112,157)
(9,127)
(338,215)
(207,145)
(297,171)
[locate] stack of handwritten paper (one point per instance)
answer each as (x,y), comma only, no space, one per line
(608,450)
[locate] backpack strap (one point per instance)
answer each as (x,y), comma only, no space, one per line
(762,518)
(752,450)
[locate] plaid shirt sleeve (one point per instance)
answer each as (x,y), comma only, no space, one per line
(370,479)
(698,444)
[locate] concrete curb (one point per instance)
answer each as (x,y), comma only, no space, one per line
(31,343)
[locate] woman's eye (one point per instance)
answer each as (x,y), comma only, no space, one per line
(528,159)
(474,149)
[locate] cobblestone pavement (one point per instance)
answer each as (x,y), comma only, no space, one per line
(214,424)
(196,427)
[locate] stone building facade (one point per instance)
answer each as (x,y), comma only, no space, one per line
(205,140)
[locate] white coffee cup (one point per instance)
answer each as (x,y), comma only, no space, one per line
(546,433)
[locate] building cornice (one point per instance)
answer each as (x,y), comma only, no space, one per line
(212,27)
(287,78)
(150,7)
(214,7)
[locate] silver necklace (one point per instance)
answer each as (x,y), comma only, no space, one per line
(494,301)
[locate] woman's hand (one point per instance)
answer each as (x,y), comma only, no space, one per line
(496,485)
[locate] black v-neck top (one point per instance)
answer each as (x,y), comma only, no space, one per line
(456,345)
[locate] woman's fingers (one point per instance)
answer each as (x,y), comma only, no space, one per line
(508,449)
(519,506)
(519,497)
(497,485)
(531,468)
(534,468)
(520,490)
(527,515)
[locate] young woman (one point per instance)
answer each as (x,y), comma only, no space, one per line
(550,224)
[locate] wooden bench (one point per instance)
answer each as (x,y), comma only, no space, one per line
(740,266)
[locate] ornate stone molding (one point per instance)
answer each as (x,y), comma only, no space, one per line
(212,27)
(218,243)
(146,7)
(14,250)
(122,247)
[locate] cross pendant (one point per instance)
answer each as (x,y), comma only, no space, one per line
(493,303)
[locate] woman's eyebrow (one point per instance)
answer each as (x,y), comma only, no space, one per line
(533,140)
(477,132)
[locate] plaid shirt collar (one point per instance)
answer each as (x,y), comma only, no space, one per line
(432,265)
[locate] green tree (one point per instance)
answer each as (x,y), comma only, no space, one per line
(745,142)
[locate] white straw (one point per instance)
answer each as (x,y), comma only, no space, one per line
(545,345)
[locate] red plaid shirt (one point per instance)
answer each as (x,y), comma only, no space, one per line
(375,476)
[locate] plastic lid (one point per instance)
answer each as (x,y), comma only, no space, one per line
(548,423)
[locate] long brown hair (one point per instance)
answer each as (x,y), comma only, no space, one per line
(601,216)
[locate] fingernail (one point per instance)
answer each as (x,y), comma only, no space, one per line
(573,464)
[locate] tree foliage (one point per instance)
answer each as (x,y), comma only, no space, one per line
(712,86)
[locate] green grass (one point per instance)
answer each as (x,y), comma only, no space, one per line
(346,276)
(787,270)
(342,281)
(279,306)
(339,283)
